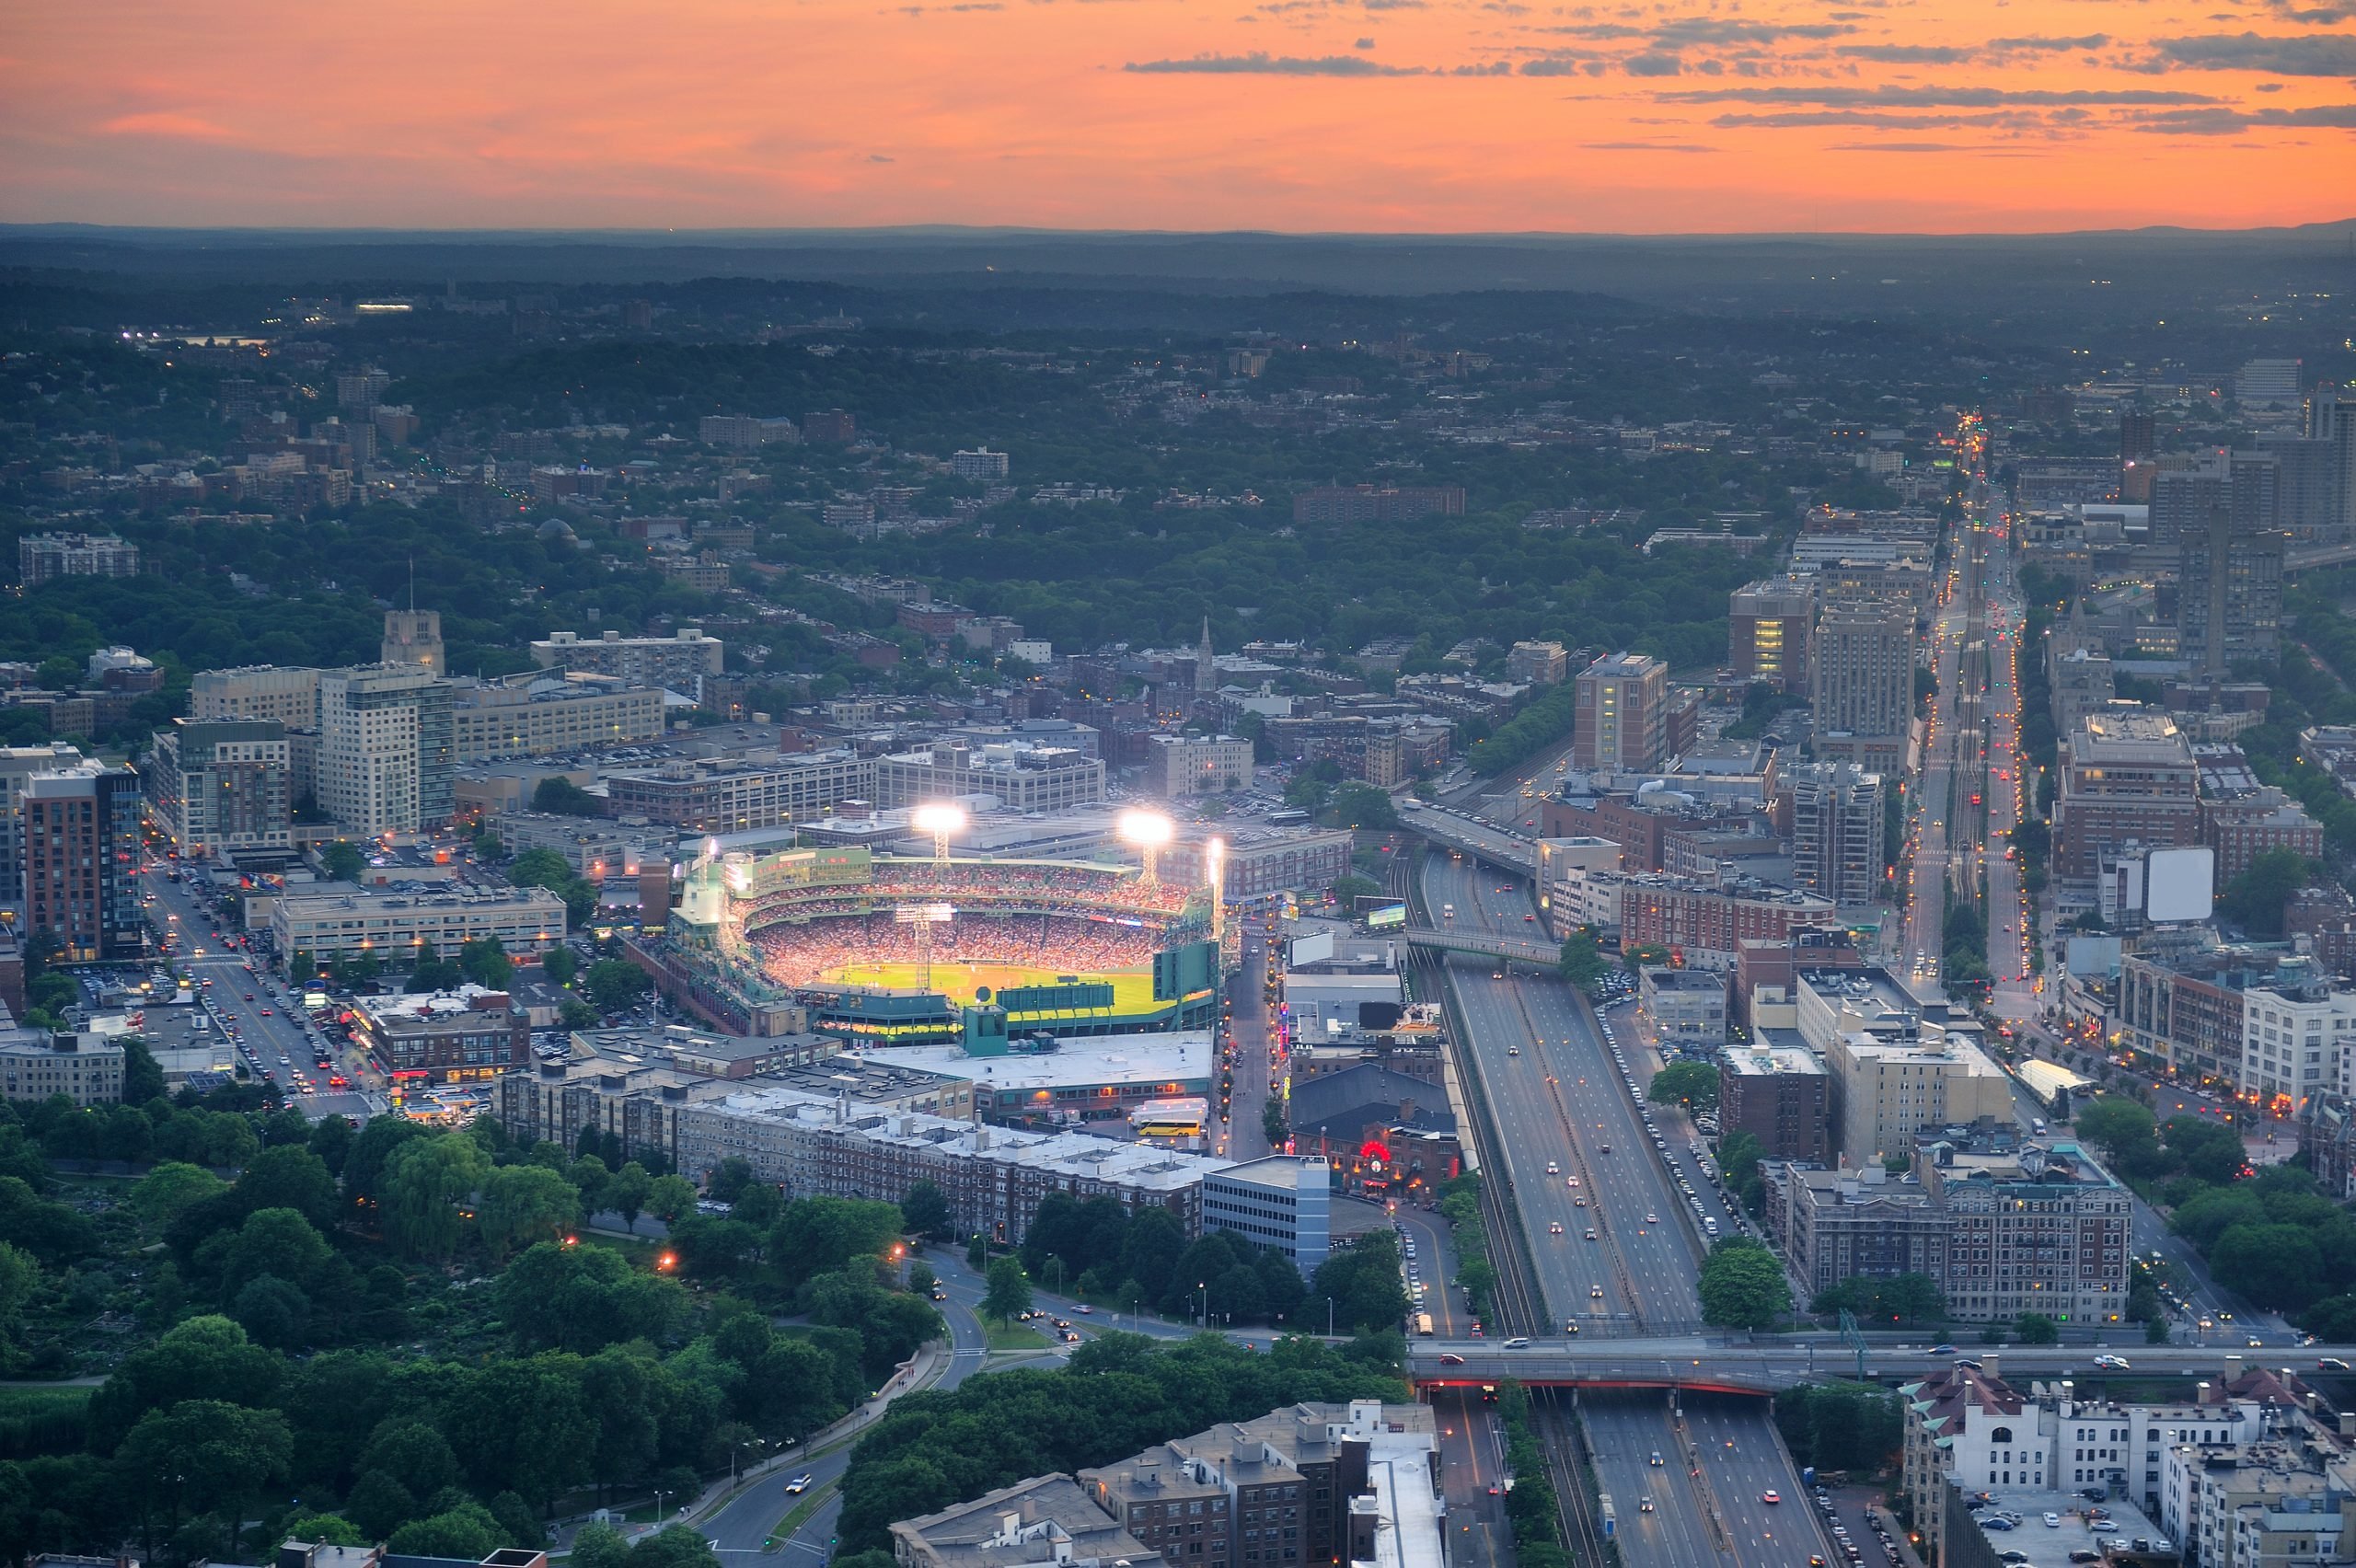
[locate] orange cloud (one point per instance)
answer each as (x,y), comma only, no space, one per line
(165,125)
(1168,114)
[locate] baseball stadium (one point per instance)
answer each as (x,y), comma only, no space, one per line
(902,950)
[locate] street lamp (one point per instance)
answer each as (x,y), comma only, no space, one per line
(1214,869)
(940,818)
(1203,1286)
(1148,831)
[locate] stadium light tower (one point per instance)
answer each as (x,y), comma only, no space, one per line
(1215,869)
(941,819)
(1148,831)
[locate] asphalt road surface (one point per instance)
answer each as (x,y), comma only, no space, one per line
(203,953)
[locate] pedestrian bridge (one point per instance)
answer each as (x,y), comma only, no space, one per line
(1522,949)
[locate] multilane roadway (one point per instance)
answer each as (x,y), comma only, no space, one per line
(1554,1096)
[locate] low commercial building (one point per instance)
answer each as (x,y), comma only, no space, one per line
(462,1036)
(2179,1004)
(35,1064)
(1019,775)
(2298,1037)
(1688,1007)
(1199,764)
(542,713)
(1282,1202)
(995,1178)
(677,663)
(339,920)
(1705,924)
(1095,1078)
(1324,1004)
(1781,1095)
(712,795)
(594,849)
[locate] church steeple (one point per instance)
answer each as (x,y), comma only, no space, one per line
(1206,669)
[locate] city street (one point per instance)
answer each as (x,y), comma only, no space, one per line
(253,1008)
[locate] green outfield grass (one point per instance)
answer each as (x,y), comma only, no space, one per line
(1132,989)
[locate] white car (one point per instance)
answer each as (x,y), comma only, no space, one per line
(2111,1362)
(799,1483)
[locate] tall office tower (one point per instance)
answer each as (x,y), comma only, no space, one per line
(1768,624)
(1621,714)
(1861,682)
(2268,384)
(2136,435)
(414,637)
(18,766)
(2182,499)
(1837,820)
(81,837)
(386,756)
(2229,591)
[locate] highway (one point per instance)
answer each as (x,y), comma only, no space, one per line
(1556,1096)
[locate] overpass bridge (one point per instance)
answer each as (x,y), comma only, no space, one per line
(1470,836)
(2313,556)
(1711,1364)
(1522,949)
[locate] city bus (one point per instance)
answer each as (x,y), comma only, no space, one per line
(1177,1119)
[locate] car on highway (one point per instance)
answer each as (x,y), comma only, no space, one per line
(1590,1235)
(2330,1364)
(2111,1362)
(1553,1168)
(1518,1342)
(1449,1358)
(1770,1495)
(1554,1227)
(1595,1292)
(1652,1219)
(1655,1461)
(799,1483)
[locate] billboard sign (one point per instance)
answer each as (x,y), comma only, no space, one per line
(2179,884)
(1389,917)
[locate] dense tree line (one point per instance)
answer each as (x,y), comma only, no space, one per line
(1119,1394)
(273,1376)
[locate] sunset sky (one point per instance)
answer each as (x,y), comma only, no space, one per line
(1297,115)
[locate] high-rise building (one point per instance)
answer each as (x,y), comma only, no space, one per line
(19,764)
(216,785)
(979,463)
(2268,384)
(1621,722)
(414,637)
(2137,436)
(1768,628)
(1860,681)
(2127,778)
(81,836)
(41,557)
(386,756)
(361,389)
(2229,586)
(1837,822)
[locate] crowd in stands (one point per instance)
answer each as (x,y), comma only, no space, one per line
(967,880)
(804,952)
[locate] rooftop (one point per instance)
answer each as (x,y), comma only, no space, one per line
(1140,1060)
